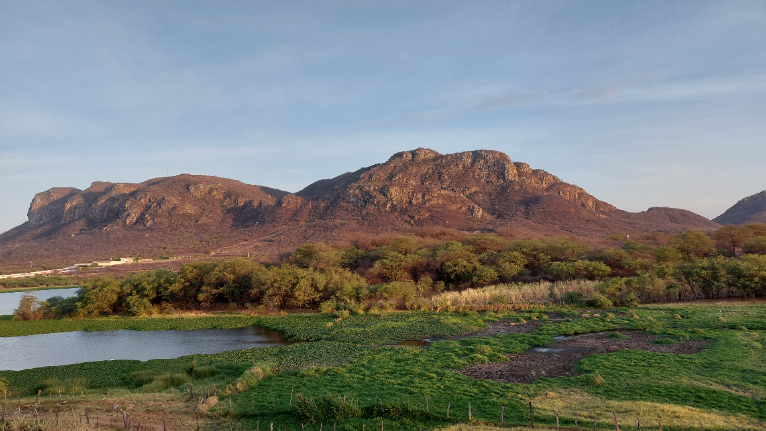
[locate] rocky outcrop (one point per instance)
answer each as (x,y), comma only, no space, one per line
(49,206)
(170,202)
(751,209)
(472,190)
(427,185)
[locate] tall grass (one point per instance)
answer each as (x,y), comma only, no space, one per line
(513,293)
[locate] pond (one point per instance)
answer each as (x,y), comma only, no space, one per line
(9,301)
(62,348)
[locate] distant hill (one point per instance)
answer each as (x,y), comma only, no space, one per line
(751,209)
(192,214)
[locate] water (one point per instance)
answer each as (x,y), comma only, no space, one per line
(9,301)
(32,351)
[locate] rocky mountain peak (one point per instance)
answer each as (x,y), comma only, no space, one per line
(751,209)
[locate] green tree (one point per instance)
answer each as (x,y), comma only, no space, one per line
(755,245)
(394,266)
(534,253)
(404,245)
(190,280)
(707,277)
(693,244)
(155,286)
(98,296)
(228,282)
(668,255)
(579,269)
(747,275)
(732,236)
(507,264)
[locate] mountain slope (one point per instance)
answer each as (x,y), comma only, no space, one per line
(187,214)
(751,209)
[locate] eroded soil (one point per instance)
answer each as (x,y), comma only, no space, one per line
(557,359)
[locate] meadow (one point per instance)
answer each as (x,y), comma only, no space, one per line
(349,373)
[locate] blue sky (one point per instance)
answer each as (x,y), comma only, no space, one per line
(641,103)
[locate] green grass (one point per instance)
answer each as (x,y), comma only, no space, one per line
(366,329)
(724,386)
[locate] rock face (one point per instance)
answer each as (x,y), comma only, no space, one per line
(751,209)
(50,205)
(473,190)
(425,186)
(168,202)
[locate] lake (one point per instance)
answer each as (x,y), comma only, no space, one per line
(9,301)
(62,348)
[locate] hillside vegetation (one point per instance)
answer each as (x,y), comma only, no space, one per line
(481,271)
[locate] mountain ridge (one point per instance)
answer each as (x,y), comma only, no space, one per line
(751,209)
(472,190)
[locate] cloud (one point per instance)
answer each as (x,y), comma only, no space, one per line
(513,99)
(604,92)
(40,123)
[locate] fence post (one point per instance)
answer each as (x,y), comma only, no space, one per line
(448,404)
(531,415)
(616,425)
(502,413)
(469,412)
(576,426)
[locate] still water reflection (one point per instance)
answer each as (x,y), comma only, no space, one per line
(32,351)
(9,301)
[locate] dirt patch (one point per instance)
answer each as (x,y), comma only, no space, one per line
(503,327)
(557,359)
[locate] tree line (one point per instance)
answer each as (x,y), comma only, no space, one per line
(406,270)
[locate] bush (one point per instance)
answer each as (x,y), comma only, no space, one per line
(596,380)
(601,301)
(572,298)
(66,386)
(328,408)
(617,336)
(209,403)
(204,372)
(140,378)
(395,410)
(483,350)
(59,306)
(29,308)
(167,380)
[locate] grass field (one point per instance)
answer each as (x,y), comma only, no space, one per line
(346,374)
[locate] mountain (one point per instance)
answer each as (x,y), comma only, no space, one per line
(751,209)
(191,214)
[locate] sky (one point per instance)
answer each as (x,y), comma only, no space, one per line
(641,103)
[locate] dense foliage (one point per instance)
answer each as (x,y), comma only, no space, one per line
(407,271)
